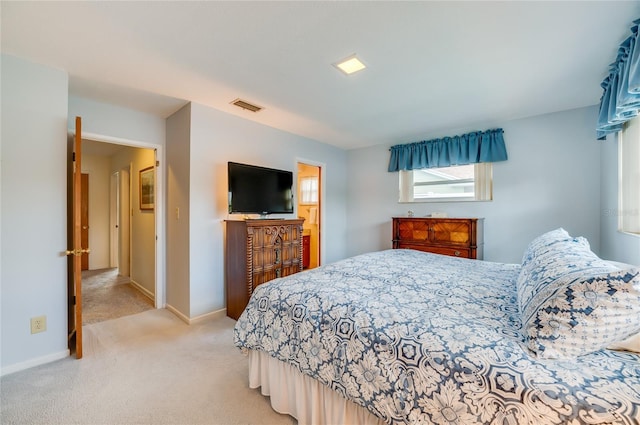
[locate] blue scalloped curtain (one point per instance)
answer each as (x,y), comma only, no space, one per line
(471,148)
(620,99)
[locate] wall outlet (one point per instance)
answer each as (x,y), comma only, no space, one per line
(38,324)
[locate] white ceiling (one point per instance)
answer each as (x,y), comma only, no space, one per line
(433,67)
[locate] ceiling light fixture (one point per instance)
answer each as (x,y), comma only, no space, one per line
(350,65)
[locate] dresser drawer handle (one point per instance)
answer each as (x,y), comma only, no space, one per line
(457,253)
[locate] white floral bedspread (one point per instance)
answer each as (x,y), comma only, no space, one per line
(426,339)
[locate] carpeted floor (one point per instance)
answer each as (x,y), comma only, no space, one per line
(148,368)
(106,295)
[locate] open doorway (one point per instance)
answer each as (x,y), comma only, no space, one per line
(121,277)
(309,208)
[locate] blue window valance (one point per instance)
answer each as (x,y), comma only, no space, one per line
(620,99)
(471,148)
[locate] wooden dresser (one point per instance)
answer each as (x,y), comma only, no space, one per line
(256,252)
(458,237)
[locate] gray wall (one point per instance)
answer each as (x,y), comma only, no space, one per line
(178,130)
(116,122)
(198,186)
(34,212)
(552,179)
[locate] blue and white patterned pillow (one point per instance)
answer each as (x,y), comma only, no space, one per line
(542,241)
(541,265)
(571,301)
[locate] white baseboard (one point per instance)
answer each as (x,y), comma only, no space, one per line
(144,291)
(34,362)
(213,315)
(190,321)
(175,311)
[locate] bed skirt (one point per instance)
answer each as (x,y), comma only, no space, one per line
(301,396)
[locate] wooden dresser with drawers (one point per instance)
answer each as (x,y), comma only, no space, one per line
(256,252)
(458,237)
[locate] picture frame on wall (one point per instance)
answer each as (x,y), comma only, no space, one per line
(147,201)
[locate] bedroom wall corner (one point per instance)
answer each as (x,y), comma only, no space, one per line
(178,145)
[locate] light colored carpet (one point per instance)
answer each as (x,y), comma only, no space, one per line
(148,368)
(106,295)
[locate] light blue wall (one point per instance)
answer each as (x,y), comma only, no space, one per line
(213,139)
(177,262)
(34,213)
(116,121)
(552,179)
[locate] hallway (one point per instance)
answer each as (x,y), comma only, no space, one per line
(106,295)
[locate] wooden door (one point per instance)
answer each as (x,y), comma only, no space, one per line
(318,247)
(75,252)
(84,219)
(310,208)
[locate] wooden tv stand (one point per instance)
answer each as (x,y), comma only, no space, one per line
(257,251)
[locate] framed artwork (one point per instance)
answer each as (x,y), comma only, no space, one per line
(147,188)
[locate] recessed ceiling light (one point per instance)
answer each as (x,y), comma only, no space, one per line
(350,65)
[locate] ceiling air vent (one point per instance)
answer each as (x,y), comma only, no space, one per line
(246,105)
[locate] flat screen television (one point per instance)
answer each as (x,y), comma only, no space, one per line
(259,190)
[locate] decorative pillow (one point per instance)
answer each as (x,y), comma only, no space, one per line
(573,302)
(580,315)
(543,240)
(550,256)
(633,342)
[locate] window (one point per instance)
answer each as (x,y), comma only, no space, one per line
(309,190)
(629,177)
(471,182)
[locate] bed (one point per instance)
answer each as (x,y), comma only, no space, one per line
(407,337)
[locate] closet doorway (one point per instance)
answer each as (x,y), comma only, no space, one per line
(310,208)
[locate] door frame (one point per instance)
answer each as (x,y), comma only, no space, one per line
(322,198)
(74,224)
(114,222)
(159,210)
(124,214)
